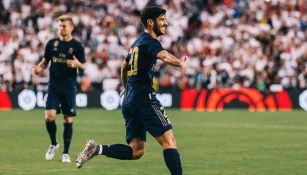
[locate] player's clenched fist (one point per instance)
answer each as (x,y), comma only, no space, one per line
(37,70)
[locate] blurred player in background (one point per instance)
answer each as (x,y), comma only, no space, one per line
(141,109)
(66,56)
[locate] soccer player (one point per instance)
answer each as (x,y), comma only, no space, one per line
(66,56)
(141,109)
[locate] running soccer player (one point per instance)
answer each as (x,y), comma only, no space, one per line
(141,109)
(66,56)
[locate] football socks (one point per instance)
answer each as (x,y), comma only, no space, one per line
(172,161)
(117,151)
(67,134)
(51,128)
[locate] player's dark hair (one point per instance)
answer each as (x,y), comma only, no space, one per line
(151,12)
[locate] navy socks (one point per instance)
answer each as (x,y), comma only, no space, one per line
(117,151)
(51,128)
(67,134)
(172,161)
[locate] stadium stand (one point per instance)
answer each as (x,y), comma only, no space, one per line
(230,43)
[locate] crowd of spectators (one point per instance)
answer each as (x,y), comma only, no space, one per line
(230,43)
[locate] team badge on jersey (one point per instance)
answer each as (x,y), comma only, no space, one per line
(70,50)
(55,45)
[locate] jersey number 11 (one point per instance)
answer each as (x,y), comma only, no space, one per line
(133,62)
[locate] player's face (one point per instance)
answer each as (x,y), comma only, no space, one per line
(160,25)
(65,28)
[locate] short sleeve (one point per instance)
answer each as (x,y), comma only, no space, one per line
(48,50)
(80,53)
(154,47)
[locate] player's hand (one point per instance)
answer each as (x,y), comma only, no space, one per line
(121,97)
(183,65)
(122,93)
(37,70)
(74,63)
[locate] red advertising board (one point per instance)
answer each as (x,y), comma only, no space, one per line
(217,99)
(5,101)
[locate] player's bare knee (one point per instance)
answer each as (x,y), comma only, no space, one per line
(167,140)
(49,116)
(138,148)
(167,145)
(170,142)
(68,119)
(137,154)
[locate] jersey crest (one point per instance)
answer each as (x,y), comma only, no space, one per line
(70,50)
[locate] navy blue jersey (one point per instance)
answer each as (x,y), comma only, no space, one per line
(58,52)
(141,61)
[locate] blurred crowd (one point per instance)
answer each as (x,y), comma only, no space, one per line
(230,43)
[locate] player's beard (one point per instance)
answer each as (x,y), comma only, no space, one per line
(157,30)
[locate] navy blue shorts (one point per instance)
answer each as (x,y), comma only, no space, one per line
(64,102)
(149,116)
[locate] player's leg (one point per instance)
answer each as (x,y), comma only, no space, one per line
(67,135)
(158,125)
(138,148)
(170,152)
(133,151)
(50,116)
(52,105)
(135,137)
(68,105)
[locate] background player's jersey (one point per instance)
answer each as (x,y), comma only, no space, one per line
(141,61)
(58,52)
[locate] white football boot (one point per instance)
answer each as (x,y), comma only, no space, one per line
(66,158)
(51,151)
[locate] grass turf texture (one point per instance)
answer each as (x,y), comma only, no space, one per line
(226,143)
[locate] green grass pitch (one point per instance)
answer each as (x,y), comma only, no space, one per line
(234,142)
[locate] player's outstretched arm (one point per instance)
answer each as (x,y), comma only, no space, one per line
(37,69)
(75,63)
(172,60)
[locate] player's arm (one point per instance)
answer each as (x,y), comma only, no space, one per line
(172,60)
(37,69)
(123,73)
(42,65)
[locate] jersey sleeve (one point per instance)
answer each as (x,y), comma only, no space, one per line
(154,47)
(80,53)
(48,50)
